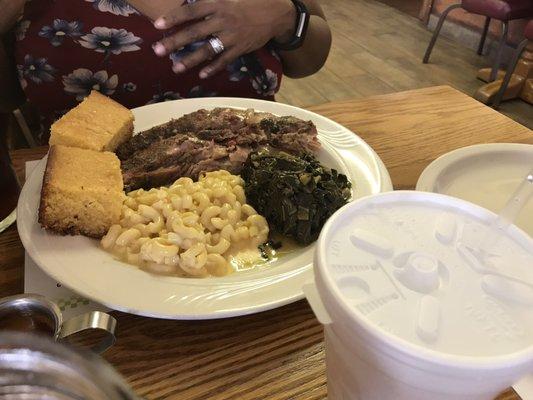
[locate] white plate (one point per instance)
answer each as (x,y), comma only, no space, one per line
(485,174)
(80,264)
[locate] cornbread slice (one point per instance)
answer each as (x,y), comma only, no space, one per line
(82,192)
(97,123)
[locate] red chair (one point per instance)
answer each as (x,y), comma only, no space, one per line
(501,10)
(528,33)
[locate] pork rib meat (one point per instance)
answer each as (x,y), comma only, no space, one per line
(206,141)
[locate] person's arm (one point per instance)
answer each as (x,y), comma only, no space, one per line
(10,92)
(243,26)
(314,52)
(11,11)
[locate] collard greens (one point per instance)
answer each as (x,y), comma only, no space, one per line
(295,194)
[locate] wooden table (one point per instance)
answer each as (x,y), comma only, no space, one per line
(280,354)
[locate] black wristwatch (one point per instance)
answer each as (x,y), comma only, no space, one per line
(302,21)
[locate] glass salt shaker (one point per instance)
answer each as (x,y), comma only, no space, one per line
(35,367)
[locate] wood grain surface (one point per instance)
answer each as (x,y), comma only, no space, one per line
(279,354)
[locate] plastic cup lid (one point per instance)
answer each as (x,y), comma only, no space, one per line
(410,264)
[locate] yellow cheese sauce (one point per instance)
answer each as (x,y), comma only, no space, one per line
(245,259)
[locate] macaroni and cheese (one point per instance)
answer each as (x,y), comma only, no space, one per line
(187,229)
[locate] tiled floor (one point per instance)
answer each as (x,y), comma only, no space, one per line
(411,7)
(378,49)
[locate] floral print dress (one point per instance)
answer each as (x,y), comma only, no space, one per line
(66,48)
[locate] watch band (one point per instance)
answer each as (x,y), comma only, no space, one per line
(302,22)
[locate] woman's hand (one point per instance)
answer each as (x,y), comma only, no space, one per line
(242,25)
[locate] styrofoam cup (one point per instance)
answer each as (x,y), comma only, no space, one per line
(413,309)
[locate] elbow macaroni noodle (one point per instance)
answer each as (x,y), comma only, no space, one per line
(189,228)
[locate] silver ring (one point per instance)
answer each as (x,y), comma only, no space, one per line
(216,44)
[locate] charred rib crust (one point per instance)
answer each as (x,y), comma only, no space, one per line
(209,140)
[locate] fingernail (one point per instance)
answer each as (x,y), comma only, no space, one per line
(178,68)
(204,73)
(160,23)
(159,49)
